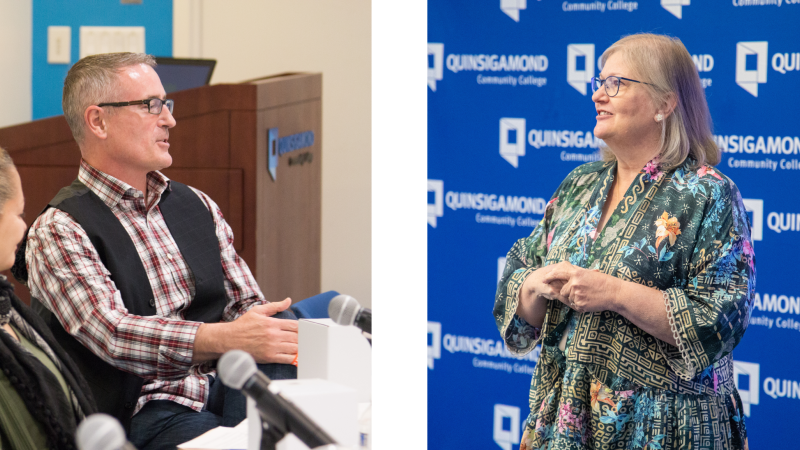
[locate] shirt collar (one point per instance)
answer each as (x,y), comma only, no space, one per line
(113,190)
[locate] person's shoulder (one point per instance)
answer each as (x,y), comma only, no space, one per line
(53,216)
(584,173)
(710,181)
(211,205)
(589,168)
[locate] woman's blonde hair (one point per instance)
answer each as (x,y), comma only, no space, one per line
(6,188)
(665,63)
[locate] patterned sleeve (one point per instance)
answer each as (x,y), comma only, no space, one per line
(68,277)
(527,255)
(240,285)
(710,313)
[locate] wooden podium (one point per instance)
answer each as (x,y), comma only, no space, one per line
(220,146)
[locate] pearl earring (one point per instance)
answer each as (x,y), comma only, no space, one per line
(659,117)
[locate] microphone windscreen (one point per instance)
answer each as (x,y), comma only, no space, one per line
(100,432)
(343,309)
(235,368)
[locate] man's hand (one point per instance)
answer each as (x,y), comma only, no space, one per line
(267,339)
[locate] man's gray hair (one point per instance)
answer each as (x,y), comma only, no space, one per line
(94,80)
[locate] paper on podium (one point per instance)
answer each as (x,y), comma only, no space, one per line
(220,438)
(335,353)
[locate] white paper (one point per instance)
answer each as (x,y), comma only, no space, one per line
(220,438)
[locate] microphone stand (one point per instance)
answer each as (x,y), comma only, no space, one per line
(281,417)
(368,336)
(271,432)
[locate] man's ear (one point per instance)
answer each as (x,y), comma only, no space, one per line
(95,120)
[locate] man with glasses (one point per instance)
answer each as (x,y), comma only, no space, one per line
(138,273)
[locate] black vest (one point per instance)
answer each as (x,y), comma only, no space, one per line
(191,226)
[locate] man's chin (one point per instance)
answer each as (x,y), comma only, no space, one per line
(163,163)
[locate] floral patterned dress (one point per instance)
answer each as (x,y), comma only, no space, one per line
(684,232)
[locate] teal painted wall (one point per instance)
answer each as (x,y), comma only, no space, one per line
(48,79)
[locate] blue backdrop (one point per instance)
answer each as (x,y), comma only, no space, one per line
(510,114)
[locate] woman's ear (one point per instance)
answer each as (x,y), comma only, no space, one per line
(668,106)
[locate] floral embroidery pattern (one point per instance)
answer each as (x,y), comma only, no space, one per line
(747,249)
(573,425)
(652,170)
(611,416)
(668,227)
(706,170)
(587,231)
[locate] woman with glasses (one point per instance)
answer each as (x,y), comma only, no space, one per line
(639,280)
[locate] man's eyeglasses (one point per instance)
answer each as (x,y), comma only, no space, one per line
(611,84)
(154,105)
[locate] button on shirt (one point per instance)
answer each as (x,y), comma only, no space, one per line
(68,277)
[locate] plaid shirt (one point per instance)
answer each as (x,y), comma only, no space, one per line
(67,276)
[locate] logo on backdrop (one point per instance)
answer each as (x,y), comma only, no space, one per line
(748,391)
(783,221)
(772,147)
(512,139)
(748,76)
(675,6)
(751,64)
(763,2)
(505,64)
(580,66)
(512,8)
(506,437)
(435,73)
(437,208)
(747,377)
(785,62)
(776,303)
(484,202)
(703,63)
(755,212)
(514,133)
(434,343)
(479,347)
(598,6)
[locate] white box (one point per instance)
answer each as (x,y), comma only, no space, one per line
(59,45)
(331,406)
(335,353)
(95,40)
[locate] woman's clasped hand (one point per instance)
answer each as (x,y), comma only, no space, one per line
(581,289)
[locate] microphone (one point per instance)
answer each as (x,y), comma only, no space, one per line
(101,432)
(346,311)
(238,370)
